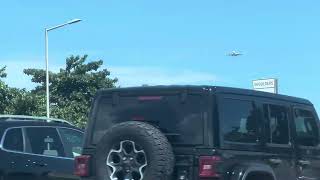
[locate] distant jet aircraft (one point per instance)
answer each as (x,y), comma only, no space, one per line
(234,53)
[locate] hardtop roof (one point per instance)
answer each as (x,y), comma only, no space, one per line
(203,88)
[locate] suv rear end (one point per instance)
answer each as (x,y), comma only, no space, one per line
(213,133)
(181,114)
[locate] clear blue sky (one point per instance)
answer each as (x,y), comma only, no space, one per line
(171,42)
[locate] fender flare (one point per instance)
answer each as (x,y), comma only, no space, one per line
(241,172)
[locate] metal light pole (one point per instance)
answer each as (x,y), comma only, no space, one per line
(47,59)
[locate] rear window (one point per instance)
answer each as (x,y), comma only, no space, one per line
(181,121)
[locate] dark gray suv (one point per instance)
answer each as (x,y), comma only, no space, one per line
(36,148)
(199,133)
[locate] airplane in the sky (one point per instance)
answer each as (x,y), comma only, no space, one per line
(234,53)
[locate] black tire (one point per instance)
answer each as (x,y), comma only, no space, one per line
(157,149)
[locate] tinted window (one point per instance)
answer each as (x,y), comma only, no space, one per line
(44,141)
(239,121)
(277,124)
(306,128)
(13,140)
(72,141)
(182,122)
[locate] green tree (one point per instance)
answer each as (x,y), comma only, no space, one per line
(23,102)
(73,87)
(4,91)
(18,101)
(3,73)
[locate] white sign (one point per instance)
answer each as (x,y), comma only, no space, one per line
(266,85)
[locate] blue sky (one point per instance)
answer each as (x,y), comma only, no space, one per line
(171,42)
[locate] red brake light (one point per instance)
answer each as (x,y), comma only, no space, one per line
(82,165)
(207,166)
(149,98)
(138,118)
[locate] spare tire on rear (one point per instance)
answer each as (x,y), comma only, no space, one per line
(134,151)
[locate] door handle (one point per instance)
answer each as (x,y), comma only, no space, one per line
(39,164)
(304,162)
(275,161)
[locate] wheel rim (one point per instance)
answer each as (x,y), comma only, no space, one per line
(126,161)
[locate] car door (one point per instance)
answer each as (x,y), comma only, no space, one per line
(15,161)
(278,139)
(306,126)
(48,153)
(72,141)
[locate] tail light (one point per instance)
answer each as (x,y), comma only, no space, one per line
(208,166)
(82,165)
(150,98)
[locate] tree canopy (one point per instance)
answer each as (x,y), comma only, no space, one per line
(4,91)
(71,90)
(17,101)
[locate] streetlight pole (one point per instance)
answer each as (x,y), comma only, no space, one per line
(47,59)
(47,73)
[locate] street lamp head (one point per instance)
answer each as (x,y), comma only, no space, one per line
(74,21)
(61,25)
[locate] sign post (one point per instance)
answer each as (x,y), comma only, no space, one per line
(266,85)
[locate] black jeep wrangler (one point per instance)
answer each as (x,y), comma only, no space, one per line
(199,133)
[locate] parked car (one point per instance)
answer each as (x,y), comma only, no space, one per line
(199,133)
(34,148)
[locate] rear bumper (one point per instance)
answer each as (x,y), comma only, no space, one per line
(87,178)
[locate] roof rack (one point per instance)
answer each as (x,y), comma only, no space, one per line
(32,118)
